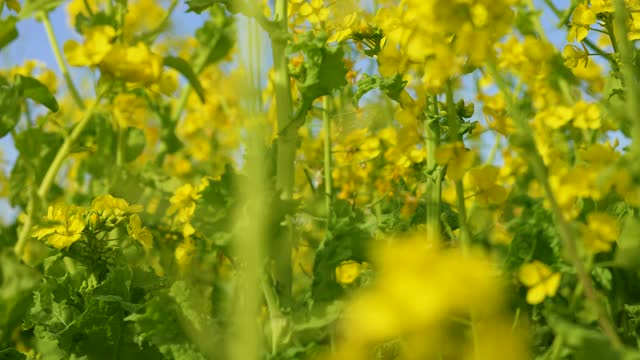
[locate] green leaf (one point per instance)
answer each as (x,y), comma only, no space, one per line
(35,90)
(8,31)
(628,251)
(135,141)
(216,38)
(199,6)
(11,354)
(346,239)
(185,69)
(32,7)
(9,107)
(99,18)
(322,71)
(391,86)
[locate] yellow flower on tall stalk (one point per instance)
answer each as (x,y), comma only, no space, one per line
(540,279)
(64,226)
(96,46)
(137,63)
(132,63)
(582,18)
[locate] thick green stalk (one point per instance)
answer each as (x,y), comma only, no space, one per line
(65,149)
(625,49)
(465,232)
(286,142)
(58,55)
(287,134)
(434,172)
(252,218)
(569,242)
(328,181)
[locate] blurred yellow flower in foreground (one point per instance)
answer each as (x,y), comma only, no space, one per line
(419,290)
(540,279)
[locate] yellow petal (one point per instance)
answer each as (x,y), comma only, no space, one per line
(536,295)
(75,54)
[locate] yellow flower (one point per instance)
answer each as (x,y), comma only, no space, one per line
(112,210)
(587,116)
(96,46)
(184,253)
(540,279)
(140,233)
(348,271)
(133,63)
(130,110)
(66,226)
(183,202)
(573,55)
(456,157)
(601,232)
(555,117)
(582,18)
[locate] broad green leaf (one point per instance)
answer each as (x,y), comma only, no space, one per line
(628,251)
(346,239)
(216,37)
(9,107)
(32,7)
(185,69)
(35,90)
(8,31)
(322,71)
(391,86)
(199,6)
(136,142)
(84,21)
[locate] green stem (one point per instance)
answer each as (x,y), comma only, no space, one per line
(286,142)
(562,226)
(465,232)
(121,146)
(328,181)
(65,149)
(58,55)
(26,227)
(434,172)
(627,65)
(252,218)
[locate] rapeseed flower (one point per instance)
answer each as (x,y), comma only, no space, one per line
(540,279)
(64,226)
